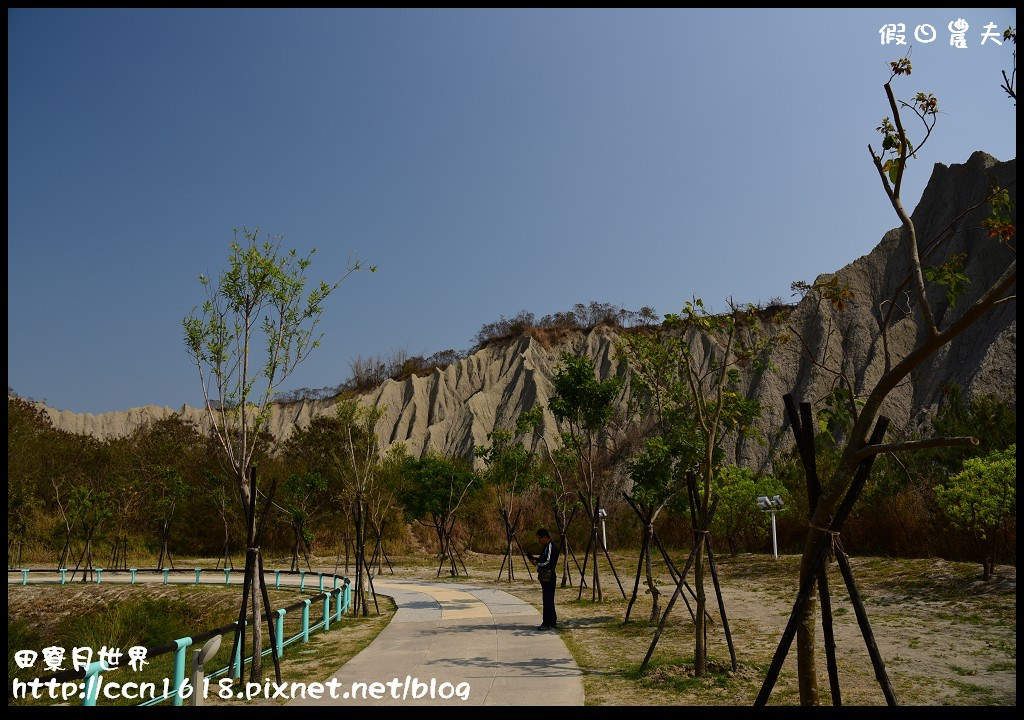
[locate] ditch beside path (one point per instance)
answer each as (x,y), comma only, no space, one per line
(453,633)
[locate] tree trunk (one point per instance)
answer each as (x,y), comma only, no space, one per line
(360,555)
(651,586)
(805,631)
(256,669)
(700,659)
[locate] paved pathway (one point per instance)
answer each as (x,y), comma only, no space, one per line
(446,632)
(463,634)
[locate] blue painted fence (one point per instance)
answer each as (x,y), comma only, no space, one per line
(340,595)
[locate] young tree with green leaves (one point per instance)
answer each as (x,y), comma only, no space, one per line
(382,499)
(688,371)
(554,477)
(343,447)
(303,493)
(657,481)
(172,491)
(585,406)
(982,499)
(91,508)
(511,471)
(260,300)
(362,461)
(218,491)
(436,487)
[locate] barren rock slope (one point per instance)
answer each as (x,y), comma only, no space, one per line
(452,411)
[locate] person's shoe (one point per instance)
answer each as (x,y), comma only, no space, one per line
(544,627)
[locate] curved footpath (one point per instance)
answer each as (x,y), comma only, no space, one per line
(453,633)
(445,632)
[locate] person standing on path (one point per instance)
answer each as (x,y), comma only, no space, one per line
(546,564)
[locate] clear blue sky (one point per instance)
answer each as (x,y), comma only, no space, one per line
(487,161)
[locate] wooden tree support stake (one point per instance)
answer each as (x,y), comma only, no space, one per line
(802,430)
(701,535)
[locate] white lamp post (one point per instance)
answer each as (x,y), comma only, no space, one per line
(771,505)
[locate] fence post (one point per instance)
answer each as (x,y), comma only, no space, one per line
(348,595)
(198,570)
(166,571)
(63,575)
(280,631)
(179,669)
(302,580)
(91,689)
(99,575)
(305,621)
(336,582)
(277,579)
(321,576)
(134,570)
(24,577)
(236,662)
(327,612)
(227,576)
(338,609)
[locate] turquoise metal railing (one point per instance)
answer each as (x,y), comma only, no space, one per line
(341,594)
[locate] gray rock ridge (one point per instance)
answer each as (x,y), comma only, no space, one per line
(451,410)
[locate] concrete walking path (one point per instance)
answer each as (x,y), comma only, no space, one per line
(454,633)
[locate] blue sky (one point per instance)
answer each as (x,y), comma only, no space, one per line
(486,161)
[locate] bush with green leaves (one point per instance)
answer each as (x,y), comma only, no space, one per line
(982,499)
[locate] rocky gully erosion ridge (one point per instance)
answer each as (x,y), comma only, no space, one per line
(452,410)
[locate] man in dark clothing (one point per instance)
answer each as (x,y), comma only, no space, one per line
(547,563)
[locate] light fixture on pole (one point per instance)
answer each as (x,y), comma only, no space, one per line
(771,505)
(602,513)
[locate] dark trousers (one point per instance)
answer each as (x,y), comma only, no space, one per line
(547,590)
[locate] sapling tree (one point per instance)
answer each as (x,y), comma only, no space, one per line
(436,487)
(657,480)
(360,462)
(689,369)
(381,499)
(218,493)
(982,499)
(303,493)
(92,508)
(259,302)
(172,491)
(511,470)
(585,406)
(126,487)
(554,478)
(162,457)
